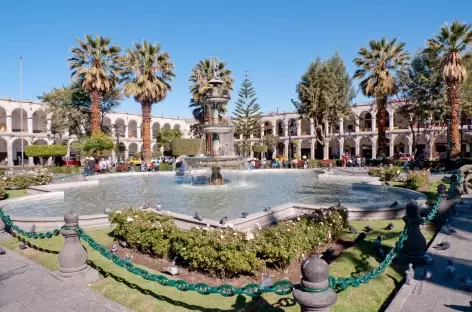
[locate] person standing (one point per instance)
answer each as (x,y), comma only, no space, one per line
(91,166)
(86,167)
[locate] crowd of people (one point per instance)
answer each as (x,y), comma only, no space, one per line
(349,160)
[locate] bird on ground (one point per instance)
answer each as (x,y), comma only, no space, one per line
(409,274)
(223,220)
(352,229)
(198,216)
(173,269)
(107,211)
(368,228)
(2,251)
(33,229)
(158,207)
(22,245)
(378,241)
(266,281)
(449,229)
(450,269)
(245,214)
(114,249)
(394,204)
(266,208)
(442,246)
(128,257)
(328,255)
(379,252)
(387,183)
(360,237)
(390,227)
(123,243)
(467,282)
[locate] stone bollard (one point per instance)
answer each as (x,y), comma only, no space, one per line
(415,245)
(314,293)
(73,255)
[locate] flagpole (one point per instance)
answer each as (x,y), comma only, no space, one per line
(21,115)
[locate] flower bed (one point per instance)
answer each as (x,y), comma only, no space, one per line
(226,252)
(12,181)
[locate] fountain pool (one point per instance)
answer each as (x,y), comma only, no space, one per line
(243,191)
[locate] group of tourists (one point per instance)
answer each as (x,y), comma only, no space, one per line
(349,160)
(104,165)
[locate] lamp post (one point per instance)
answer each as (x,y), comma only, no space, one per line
(117,134)
(290,149)
(21,114)
(448,149)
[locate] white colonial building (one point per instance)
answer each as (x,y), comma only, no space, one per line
(356,134)
(37,129)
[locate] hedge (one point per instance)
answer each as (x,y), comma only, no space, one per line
(45,150)
(98,145)
(226,252)
(188,147)
(154,155)
(259,148)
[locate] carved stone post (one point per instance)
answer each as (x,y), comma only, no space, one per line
(415,245)
(73,256)
(314,293)
(445,203)
(4,235)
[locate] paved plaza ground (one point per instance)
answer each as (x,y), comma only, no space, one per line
(26,286)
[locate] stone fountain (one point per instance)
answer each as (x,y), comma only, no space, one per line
(219,147)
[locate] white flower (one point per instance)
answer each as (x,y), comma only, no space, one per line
(298,218)
(321,223)
(288,230)
(118,211)
(222,236)
(249,236)
(130,219)
(230,225)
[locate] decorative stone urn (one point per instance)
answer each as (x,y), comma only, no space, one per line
(415,245)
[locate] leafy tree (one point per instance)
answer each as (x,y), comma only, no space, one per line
(71,107)
(96,69)
(247,113)
(45,151)
(202,73)
(450,46)
(378,64)
(324,93)
(148,72)
(98,145)
(165,136)
(421,95)
(270,141)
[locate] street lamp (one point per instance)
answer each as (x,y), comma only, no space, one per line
(290,128)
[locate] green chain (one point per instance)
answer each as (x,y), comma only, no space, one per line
(9,224)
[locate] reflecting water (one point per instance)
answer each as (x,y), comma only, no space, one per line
(242,192)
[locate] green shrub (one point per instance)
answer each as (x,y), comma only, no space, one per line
(64,169)
(154,155)
(3,195)
(226,252)
(189,147)
(13,181)
(165,167)
(416,179)
(98,145)
(45,150)
(259,148)
(386,174)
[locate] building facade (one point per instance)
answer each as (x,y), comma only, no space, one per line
(356,133)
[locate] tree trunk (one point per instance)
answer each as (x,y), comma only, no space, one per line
(146,116)
(96,98)
(382,126)
(453,97)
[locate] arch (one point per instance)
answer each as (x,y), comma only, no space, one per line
(292,127)
(365,147)
(155,129)
(120,127)
(305,148)
(3,151)
(132,129)
(280,128)
(268,128)
(16,120)
(399,121)
(39,122)
(166,126)
(106,124)
(176,127)
(349,123)
(365,121)
(132,149)
(350,146)
(305,126)
(401,144)
(16,148)
(280,148)
(334,148)
(3,121)
(40,142)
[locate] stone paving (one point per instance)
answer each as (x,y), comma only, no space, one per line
(26,286)
(439,292)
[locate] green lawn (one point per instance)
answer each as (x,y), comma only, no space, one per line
(15,193)
(141,295)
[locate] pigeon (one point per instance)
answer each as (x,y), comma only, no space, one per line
(390,227)
(128,257)
(266,281)
(245,214)
(123,244)
(380,252)
(360,237)
(467,282)
(266,208)
(352,229)
(114,249)
(395,204)
(387,183)
(223,220)
(22,245)
(450,269)
(198,216)
(33,229)
(409,274)
(378,242)
(328,255)
(442,246)
(146,206)
(107,211)
(158,207)
(172,269)
(2,251)
(368,228)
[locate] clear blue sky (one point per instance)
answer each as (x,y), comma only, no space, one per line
(274,41)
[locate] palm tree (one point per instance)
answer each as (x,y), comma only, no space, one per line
(96,68)
(148,72)
(202,73)
(378,65)
(450,46)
